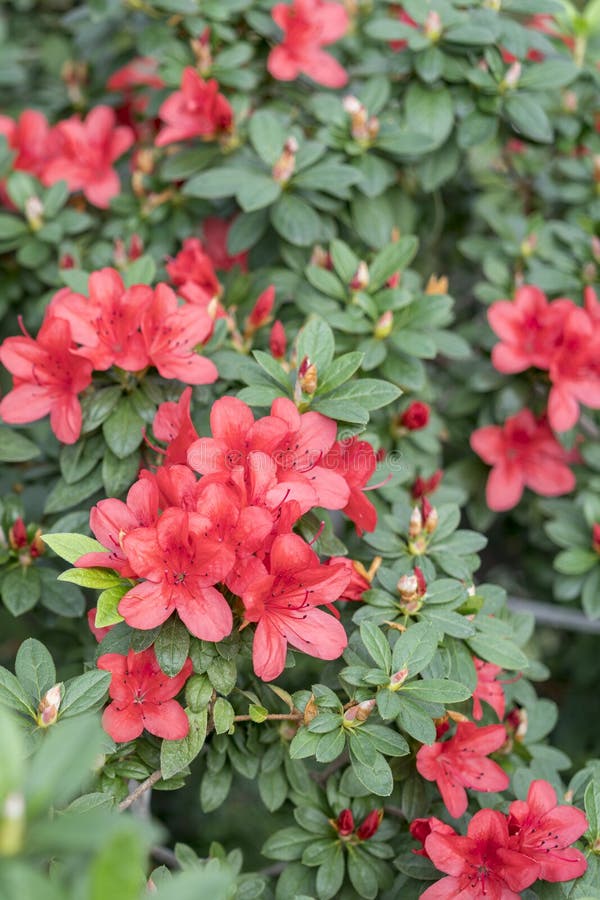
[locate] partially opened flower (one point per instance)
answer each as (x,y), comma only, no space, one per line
(33,139)
(529,329)
(196,110)
(488,689)
(308,26)
(355,461)
(192,272)
(142,697)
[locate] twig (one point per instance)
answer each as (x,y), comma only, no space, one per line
(394,811)
(141,789)
(339,763)
(166,856)
(272,717)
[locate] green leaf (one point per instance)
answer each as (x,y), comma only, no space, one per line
(117,871)
(176,755)
(98,406)
(576,561)
(345,262)
(304,744)
(369,393)
(84,692)
(15,447)
(72,546)
(119,474)
(326,282)
(548,75)
(257,192)
(273,788)
(414,649)
(223,715)
(141,271)
(437,690)
(64,496)
(339,371)
(13,695)
(296,221)
(371,769)
(362,873)
(429,111)
(123,429)
(63,599)
(591,802)
(393,258)
(267,135)
(34,668)
(21,589)
(413,719)
(272,368)
(12,228)
(215,183)
(528,118)
(590,595)
(223,675)
(496,645)
(78,460)
(376,644)
(172,646)
(94,577)
(107,608)
(330,874)
(215,788)
(316,341)
(287,844)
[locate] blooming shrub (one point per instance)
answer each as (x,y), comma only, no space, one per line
(250,441)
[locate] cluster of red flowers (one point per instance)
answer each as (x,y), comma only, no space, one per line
(562,339)
(502,855)
(308,26)
(346,827)
(558,337)
(192,544)
(79,151)
(132,328)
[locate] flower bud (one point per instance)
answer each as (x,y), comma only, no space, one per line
(398,679)
(358,713)
(277,340)
(370,825)
(12,824)
(424,486)
(307,376)
(596,537)
(321,258)
(345,823)
(431,518)
(201,50)
(384,325)
(416,416)
(34,213)
(361,278)
(261,312)
(415,526)
(17,534)
(595,250)
(136,247)
(66,261)
(37,547)
(570,101)
(432,27)
(513,74)
(407,586)
(49,706)
(284,168)
(436,285)
(311,710)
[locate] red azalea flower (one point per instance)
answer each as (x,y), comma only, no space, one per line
(416,416)
(173,424)
(461,762)
(35,142)
(47,376)
(284,600)
(180,565)
(107,323)
(480,866)
(420,829)
(529,329)
(544,831)
(488,689)
(355,461)
(215,233)
(523,453)
(197,110)
(574,370)
(193,273)
(171,332)
(140,72)
(300,458)
(142,697)
(235,436)
(308,26)
(111,520)
(88,148)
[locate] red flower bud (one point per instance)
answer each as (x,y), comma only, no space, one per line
(596,537)
(262,310)
(277,340)
(423,486)
(17,535)
(416,416)
(136,247)
(345,823)
(370,825)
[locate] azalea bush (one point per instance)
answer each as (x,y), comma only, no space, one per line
(300,348)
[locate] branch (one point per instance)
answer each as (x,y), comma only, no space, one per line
(339,763)
(273,717)
(141,789)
